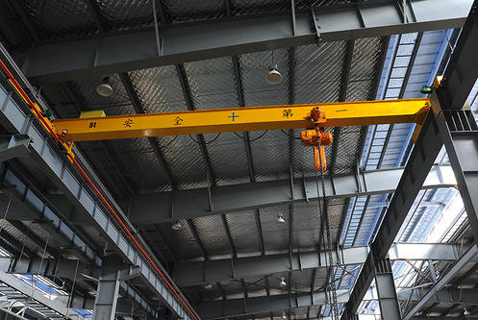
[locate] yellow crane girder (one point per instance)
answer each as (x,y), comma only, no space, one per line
(242,119)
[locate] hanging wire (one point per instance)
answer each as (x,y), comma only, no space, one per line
(39,270)
(156,28)
(251,140)
(289,135)
(5,215)
(208,142)
(25,239)
(70,298)
(170,142)
(41,262)
(44,252)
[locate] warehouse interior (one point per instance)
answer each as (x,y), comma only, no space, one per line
(237,217)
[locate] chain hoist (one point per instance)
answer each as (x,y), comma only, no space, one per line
(325,226)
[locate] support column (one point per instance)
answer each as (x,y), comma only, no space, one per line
(387,295)
(349,316)
(456,122)
(107,292)
(459,132)
(380,270)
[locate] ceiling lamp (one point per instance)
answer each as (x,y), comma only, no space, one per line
(280,218)
(176,226)
(104,89)
(282,282)
(274,77)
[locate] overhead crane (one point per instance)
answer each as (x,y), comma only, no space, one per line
(311,117)
(95,125)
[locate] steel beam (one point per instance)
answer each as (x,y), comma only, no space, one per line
(259,306)
(168,206)
(14,147)
(188,98)
(200,272)
(378,269)
(459,79)
(16,119)
(60,304)
(276,117)
(387,294)
(445,279)
(450,296)
(22,201)
(422,158)
(377,317)
(139,109)
(460,74)
(71,269)
(266,304)
(60,268)
(414,176)
(459,132)
(443,318)
(25,202)
(118,52)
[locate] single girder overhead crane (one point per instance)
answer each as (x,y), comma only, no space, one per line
(95,125)
(311,117)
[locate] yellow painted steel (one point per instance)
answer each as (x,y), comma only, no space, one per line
(92,114)
(242,119)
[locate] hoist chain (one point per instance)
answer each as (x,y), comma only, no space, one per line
(327,244)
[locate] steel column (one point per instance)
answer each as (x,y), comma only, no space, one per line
(107,292)
(27,203)
(445,279)
(459,132)
(462,69)
(387,295)
(262,307)
(421,160)
(195,273)
(459,79)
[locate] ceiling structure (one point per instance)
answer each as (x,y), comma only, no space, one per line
(229,255)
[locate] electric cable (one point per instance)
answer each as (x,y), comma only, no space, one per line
(251,140)
(170,142)
(208,142)
(289,135)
